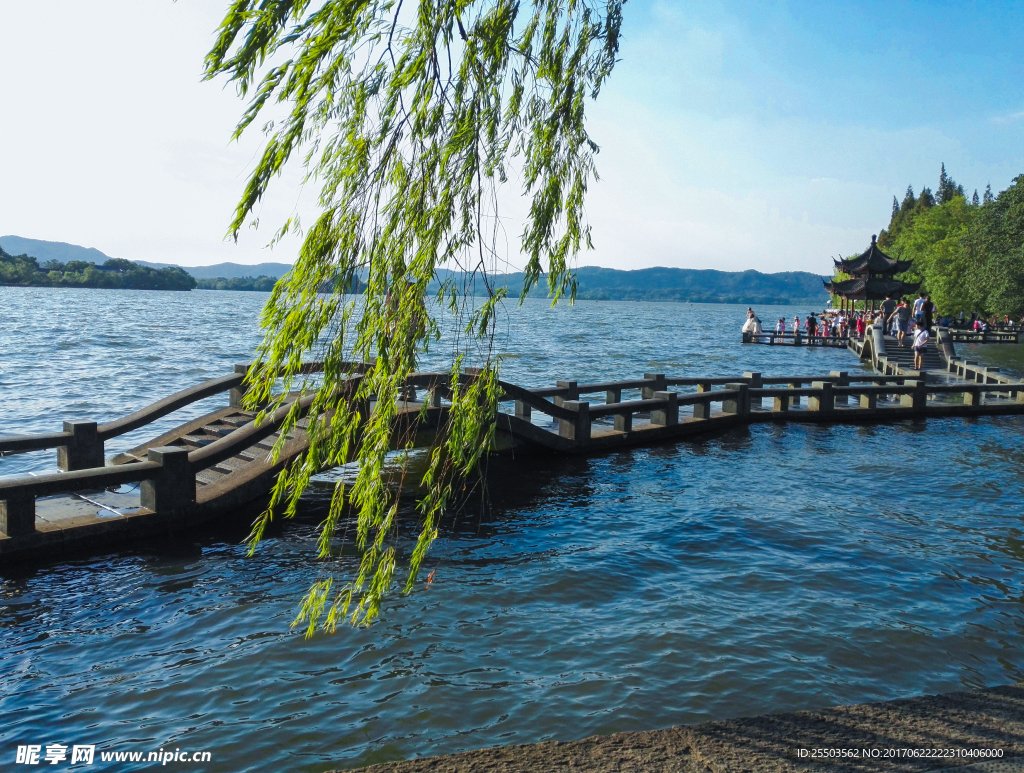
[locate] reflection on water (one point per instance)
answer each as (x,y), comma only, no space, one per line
(762,569)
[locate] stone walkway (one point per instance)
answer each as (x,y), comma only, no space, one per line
(980,719)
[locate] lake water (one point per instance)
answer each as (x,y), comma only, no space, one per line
(758,570)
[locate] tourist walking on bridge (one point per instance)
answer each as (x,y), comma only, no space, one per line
(919,308)
(888,306)
(812,327)
(902,317)
(920,344)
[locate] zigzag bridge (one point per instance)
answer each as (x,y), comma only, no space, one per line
(217,463)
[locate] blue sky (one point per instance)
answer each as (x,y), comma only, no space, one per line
(734,135)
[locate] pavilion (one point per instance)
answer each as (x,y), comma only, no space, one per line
(873,278)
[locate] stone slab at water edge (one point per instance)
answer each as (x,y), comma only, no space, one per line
(990,719)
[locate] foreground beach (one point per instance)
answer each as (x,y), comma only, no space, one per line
(886,736)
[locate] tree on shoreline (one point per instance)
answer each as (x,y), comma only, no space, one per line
(409,117)
(968,255)
(114,274)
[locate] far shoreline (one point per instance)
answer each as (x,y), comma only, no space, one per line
(816,304)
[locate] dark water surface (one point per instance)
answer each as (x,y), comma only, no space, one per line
(752,571)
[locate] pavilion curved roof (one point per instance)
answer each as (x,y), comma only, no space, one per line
(874,262)
(860,289)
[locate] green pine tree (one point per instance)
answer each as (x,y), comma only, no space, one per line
(948,188)
(908,199)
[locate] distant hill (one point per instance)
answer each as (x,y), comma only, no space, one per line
(114,274)
(683,284)
(44,251)
(65,253)
(230,270)
(594,283)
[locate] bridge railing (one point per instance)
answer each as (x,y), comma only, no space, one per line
(989,337)
(168,478)
(772,338)
(857,396)
(81,445)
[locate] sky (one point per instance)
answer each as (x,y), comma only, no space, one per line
(734,135)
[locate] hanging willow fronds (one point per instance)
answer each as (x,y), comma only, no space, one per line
(408,115)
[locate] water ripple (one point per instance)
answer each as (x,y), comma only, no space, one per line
(763,569)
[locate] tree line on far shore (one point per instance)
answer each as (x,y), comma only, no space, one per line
(263,284)
(115,274)
(968,253)
(120,274)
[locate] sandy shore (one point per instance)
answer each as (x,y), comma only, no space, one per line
(979,719)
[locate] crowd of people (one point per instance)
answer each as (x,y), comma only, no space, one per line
(981,324)
(897,316)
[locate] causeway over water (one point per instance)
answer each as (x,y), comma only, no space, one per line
(227,459)
(762,568)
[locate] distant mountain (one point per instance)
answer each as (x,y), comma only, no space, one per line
(44,251)
(65,253)
(680,284)
(230,270)
(594,283)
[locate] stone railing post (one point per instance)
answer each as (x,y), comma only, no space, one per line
(794,400)
(236,394)
(825,402)
(877,343)
(574,392)
(754,382)
(624,422)
(780,403)
(18,515)
(172,490)
(748,337)
(740,403)
(842,378)
(944,343)
(669,415)
(702,410)
(972,395)
(523,411)
(613,396)
(917,399)
(577,429)
(84,450)
(657,385)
